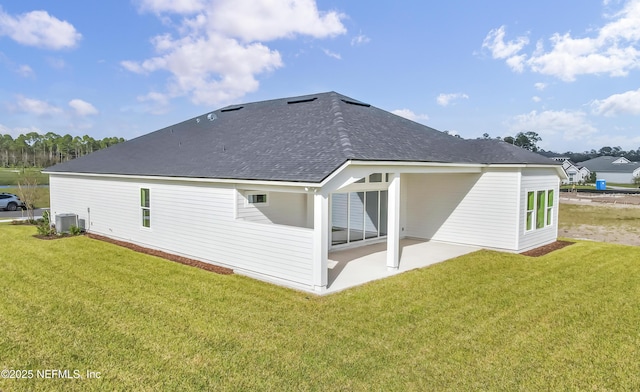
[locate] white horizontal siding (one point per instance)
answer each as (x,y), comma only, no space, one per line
(283,209)
(476,209)
(538,180)
(194,220)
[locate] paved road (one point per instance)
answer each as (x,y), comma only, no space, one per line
(19,214)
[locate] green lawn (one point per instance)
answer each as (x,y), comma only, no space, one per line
(485,321)
(10,176)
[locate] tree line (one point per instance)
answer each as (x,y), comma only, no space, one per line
(529,141)
(36,150)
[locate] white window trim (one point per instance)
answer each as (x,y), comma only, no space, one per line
(142,226)
(246,198)
(547,210)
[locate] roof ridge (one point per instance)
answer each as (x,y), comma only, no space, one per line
(339,124)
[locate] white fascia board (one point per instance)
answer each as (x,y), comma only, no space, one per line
(276,186)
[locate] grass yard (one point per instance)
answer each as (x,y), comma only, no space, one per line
(10,176)
(486,321)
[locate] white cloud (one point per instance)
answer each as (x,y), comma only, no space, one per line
(540,86)
(39,29)
(82,108)
(15,132)
(266,20)
(611,49)
(409,114)
(219,49)
(332,54)
(494,41)
(624,103)
(173,6)
(536,98)
(570,125)
(446,99)
(35,106)
(360,39)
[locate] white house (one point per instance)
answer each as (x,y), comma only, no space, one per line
(575,173)
(618,170)
(270,188)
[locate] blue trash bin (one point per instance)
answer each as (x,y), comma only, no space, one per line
(601,185)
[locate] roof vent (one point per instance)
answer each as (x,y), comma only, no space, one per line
(211,116)
(357,103)
(232,109)
(302,100)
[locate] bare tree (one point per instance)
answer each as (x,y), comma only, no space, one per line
(28,190)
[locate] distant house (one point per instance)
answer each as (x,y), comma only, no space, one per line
(270,188)
(613,169)
(576,174)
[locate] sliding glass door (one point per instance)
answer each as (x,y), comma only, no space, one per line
(356,216)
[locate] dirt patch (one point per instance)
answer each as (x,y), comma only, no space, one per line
(165,255)
(602,234)
(543,250)
(620,200)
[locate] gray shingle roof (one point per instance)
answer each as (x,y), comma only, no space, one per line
(300,139)
(605,164)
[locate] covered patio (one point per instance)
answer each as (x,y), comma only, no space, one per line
(356,266)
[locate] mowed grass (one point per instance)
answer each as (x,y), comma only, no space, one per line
(485,321)
(10,176)
(620,218)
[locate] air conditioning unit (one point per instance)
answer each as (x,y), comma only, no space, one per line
(65,221)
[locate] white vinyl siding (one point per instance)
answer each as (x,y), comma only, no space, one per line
(191,219)
(475,209)
(282,208)
(544,221)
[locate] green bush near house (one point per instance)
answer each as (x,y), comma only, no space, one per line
(485,321)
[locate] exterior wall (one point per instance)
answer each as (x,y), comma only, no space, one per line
(191,219)
(615,178)
(534,180)
(475,209)
(283,209)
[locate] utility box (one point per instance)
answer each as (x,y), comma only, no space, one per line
(65,221)
(601,185)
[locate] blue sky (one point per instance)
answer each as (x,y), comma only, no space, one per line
(568,70)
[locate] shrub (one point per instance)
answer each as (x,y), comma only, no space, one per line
(75,230)
(44,225)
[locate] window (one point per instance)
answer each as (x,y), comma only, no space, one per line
(530,206)
(549,207)
(145,207)
(257,198)
(539,212)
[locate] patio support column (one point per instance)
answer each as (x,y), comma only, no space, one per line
(320,240)
(393,222)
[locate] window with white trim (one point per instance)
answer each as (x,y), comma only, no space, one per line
(145,206)
(257,198)
(539,212)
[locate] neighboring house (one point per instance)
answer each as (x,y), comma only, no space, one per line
(576,174)
(613,169)
(270,188)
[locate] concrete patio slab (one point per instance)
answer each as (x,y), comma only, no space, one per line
(356,266)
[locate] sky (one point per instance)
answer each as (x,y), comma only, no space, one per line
(568,70)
